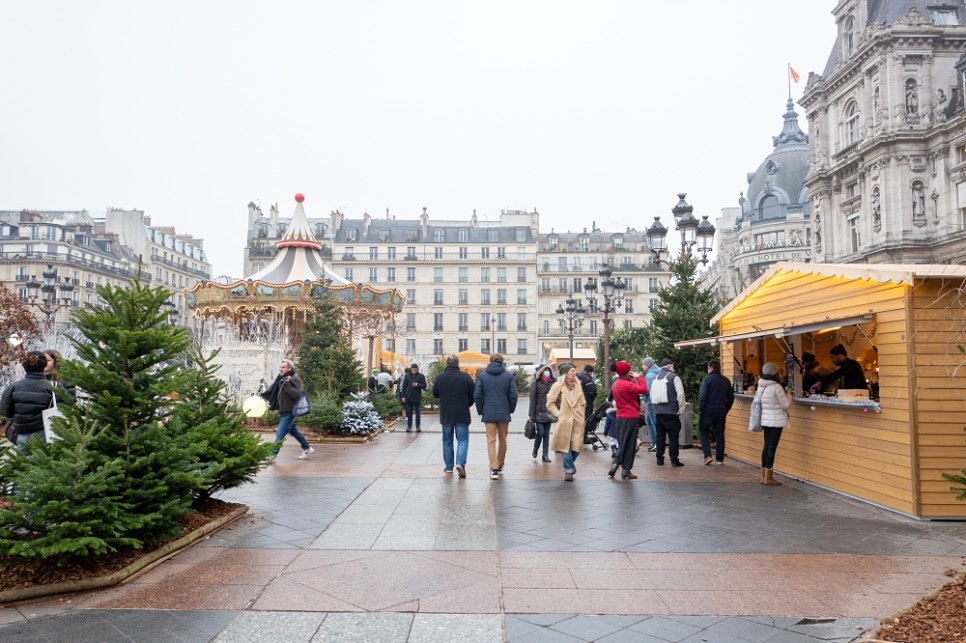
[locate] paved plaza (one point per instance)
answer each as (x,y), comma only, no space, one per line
(373,542)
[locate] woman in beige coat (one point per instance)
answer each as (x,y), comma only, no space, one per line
(566,401)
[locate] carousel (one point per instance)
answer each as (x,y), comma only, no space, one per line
(272,305)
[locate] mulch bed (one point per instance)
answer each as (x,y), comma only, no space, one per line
(18,575)
(938,618)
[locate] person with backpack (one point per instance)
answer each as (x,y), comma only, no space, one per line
(667,396)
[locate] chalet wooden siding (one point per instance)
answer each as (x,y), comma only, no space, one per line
(894,458)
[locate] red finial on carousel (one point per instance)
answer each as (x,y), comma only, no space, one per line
(299,197)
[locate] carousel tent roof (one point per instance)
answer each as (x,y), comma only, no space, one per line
(299,257)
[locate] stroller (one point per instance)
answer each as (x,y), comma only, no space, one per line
(590,427)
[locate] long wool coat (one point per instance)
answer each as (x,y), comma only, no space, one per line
(568,432)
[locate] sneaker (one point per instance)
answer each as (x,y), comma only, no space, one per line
(677,463)
(447,471)
(708,460)
(306,453)
(495,474)
(418,430)
(719,462)
(500,471)
(461,470)
(652,449)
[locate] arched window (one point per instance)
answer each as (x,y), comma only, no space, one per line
(770,208)
(852,123)
(850,36)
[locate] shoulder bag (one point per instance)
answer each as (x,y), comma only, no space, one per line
(48,415)
(302,406)
(754,417)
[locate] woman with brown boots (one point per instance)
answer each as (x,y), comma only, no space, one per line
(774,418)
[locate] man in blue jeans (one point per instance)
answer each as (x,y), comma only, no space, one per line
(650,371)
(281,396)
(454,390)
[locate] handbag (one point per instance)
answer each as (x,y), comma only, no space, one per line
(754,417)
(10,433)
(530,430)
(48,415)
(302,406)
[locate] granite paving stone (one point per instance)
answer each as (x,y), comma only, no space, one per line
(271,627)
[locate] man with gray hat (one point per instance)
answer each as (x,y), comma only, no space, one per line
(650,371)
(668,398)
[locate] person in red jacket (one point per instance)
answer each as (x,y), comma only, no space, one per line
(626,390)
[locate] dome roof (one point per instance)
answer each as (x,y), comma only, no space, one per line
(782,173)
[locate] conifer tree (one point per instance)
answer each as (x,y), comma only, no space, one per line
(684,311)
(327,364)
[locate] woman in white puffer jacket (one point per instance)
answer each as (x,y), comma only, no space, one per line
(774,418)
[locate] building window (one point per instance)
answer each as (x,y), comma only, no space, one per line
(485,297)
(652,304)
(411,296)
(464,345)
(521,274)
(501,296)
(628,324)
(943,16)
(438,346)
(438,252)
(438,297)
(437,321)
(348,274)
(410,321)
(485,321)
(521,296)
(552,242)
(521,321)
(485,275)
(501,275)
(373,275)
(464,274)
(594,328)
(464,297)
(545,284)
(492,234)
(852,190)
(373,253)
(521,347)
(410,252)
(501,253)
(618,242)
(438,275)
(391,253)
(464,322)
(652,284)
(629,306)
(439,234)
(485,346)
(484,253)
(410,346)
(849,36)
(852,123)
(855,240)
(391,275)
(410,274)
(583,242)
(349,251)
(463,235)
(501,346)
(501,322)
(546,327)
(464,253)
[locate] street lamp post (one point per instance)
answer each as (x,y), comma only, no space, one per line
(571,319)
(611,293)
(695,235)
(492,333)
(372,331)
(48,303)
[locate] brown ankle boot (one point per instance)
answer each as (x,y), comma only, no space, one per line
(762,478)
(770,478)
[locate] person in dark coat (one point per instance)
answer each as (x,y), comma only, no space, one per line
(538,410)
(849,370)
(589,387)
(411,395)
(454,390)
(25,400)
(812,371)
(496,399)
(714,401)
(281,397)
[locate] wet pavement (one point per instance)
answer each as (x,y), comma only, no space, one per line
(374,542)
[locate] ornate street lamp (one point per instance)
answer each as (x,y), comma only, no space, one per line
(571,319)
(48,303)
(694,234)
(611,295)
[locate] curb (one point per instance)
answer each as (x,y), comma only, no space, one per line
(141,565)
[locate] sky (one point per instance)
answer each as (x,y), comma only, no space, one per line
(586,111)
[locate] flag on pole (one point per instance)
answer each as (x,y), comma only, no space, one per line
(794,74)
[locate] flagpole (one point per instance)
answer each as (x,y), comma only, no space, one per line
(788,78)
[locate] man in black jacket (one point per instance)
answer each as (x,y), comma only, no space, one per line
(454,390)
(849,370)
(25,400)
(589,387)
(411,395)
(714,401)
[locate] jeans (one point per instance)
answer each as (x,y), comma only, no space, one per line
(652,423)
(413,408)
(286,426)
(712,422)
(23,439)
(569,457)
(773,434)
(668,432)
(497,454)
(462,432)
(543,436)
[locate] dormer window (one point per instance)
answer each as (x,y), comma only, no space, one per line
(618,242)
(850,36)
(521,235)
(351,234)
(463,235)
(384,236)
(583,242)
(412,234)
(439,234)
(943,16)
(553,241)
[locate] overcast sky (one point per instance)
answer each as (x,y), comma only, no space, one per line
(587,111)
